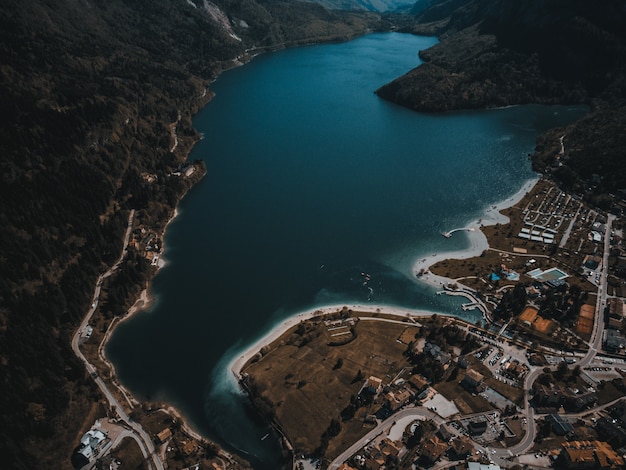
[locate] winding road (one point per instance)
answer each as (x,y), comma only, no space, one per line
(135,430)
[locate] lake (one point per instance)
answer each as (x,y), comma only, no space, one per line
(312,180)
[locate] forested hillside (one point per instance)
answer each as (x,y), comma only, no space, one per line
(497,53)
(89,92)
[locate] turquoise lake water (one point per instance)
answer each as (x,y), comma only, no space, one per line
(312,180)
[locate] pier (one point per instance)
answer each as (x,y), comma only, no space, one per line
(449,234)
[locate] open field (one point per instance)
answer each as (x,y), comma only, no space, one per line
(309,382)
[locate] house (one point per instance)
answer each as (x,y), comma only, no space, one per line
(462,362)
(373,385)
(548,396)
(477,426)
(580,401)
(613,430)
(472,379)
(616,308)
(595,236)
(560,426)
(433,449)
(514,369)
(372,464)
(419,382)
(189,447)
(345,466)
(614,341)
(163,436)
(614,323)
(90,444)
(388,447)
(481,466)
(445,433)
(380,453)
(460,448)
(395,400)
(616,313)
(437,353)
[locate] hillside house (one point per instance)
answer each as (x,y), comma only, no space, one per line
(433,449)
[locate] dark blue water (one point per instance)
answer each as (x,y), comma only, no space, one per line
(312,179)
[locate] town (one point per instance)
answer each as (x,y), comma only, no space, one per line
(538,383)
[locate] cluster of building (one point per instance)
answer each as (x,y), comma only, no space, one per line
(590,454)
(378,454)
(148,242)
(550,397)
(185,170)
(537,233)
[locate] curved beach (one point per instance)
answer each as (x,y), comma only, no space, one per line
(478,240)
(237,364)
(478,243)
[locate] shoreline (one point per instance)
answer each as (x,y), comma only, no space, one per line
(478,244)
(237,363)
(478,240)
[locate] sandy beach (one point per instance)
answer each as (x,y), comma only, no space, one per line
(276,332)
(478,240)
(478,243)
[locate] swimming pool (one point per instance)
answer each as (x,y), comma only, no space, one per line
(552,274)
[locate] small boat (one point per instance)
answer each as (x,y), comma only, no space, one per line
(265,437)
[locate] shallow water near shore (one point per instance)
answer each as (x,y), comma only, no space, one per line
(312,182)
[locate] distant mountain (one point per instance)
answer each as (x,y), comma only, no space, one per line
(380,6)
(501,52)
(89,92)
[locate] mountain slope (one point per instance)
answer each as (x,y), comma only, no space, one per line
(496,53)
(89,91)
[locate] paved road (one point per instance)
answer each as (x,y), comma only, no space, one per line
(594,346)
(595,343)
(417,412)
(136,431)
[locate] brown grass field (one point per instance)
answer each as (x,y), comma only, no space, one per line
(310,384)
